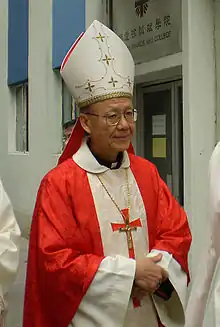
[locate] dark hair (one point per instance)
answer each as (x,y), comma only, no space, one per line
(69,123)
(85,109)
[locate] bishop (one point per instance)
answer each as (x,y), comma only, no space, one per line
(109,243)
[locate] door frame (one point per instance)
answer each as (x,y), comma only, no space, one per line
(177,163)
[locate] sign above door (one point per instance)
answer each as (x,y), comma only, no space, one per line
(150,28)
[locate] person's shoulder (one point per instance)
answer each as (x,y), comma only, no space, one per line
(145,172)
(141,162)
(61,173)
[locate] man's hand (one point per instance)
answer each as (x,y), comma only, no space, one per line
(148,276)
(137,293)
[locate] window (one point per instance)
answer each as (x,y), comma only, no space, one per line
(69,109)
(69,21)
(68,105)
(17,42)
(22,118)
(18,75)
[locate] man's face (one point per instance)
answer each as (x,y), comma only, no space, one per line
(110,138)
(67,133)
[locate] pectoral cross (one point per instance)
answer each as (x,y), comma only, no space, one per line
(128,227)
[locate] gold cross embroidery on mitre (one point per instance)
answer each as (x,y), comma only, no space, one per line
(129,82)
(113,82)
(89,87)
(107,59)
(100,37)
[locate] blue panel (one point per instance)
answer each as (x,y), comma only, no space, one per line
(68,24)
(17,41)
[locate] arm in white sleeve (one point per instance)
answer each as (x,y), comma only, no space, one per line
(172,312)
(107,298)
(9,248)
(9,240)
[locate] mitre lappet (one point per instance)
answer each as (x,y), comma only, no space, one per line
(97,67)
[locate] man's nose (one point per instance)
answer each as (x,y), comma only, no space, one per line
(123,123)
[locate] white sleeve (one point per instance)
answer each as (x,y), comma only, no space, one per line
(204,300)
(9,246)
(107,298)
(172,312)
(9,240)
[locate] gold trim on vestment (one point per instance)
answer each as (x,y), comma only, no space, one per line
(98,98)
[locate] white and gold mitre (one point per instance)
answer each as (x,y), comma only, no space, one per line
(98,66)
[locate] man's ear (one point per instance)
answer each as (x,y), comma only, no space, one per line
(85,123)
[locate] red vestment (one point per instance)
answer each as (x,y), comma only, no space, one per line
(65,243)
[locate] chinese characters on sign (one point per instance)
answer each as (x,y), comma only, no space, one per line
(150,29)
(147,28)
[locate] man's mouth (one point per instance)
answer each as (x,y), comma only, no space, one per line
(124,137)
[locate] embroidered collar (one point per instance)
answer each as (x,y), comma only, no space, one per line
(87,161)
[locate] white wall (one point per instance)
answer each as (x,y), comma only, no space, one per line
(22,173)
(217,53)
(94,10)
(199,86)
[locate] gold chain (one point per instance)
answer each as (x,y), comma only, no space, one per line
(112,199)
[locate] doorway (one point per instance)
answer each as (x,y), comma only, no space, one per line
(162,132)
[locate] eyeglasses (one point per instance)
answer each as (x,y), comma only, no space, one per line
(113,118)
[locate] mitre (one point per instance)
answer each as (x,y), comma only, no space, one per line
(98,66)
